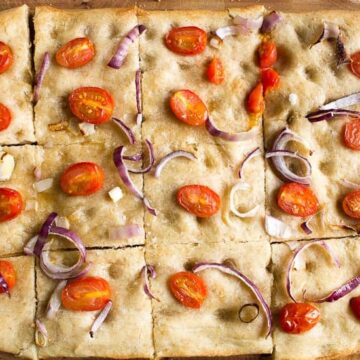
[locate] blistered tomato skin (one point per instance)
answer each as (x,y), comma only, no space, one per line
(270,79)
(6,57)
(298,318)
(352,134)
(297,200)
(351,204)
(267,54)
(7,271)
(11,204)
(188,288)
(215,71)
(355,306)
(188,40)
(5,117)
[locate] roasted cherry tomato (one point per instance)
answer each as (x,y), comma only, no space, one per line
(11,204)
(352,134)
(5,117)
(86,294)
(215,71)
(267,54)
(188,288)
(297,200)
(188,40)
(355,63)
(188,107)
(355,306)
(255,101)
(199,200)
(269,79)
(91,104)
(6,57)
(7,271)
(297,318)
(84,178)
(76,53)
(351,204)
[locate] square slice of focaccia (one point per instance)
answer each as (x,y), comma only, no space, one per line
(96,217)
(165,72)
(215,329)
(217,168)
(16,82)
(17,164)
(18,312)
(105,28)
(310,78)
(127,331)
(335,335)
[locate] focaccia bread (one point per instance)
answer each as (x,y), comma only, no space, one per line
(125,334)
(16,82)
(166,72)
(18,312)
(336,333)
(311,75)
(15,233)
(217,168)
(96,216)
(105,28)
(214,329)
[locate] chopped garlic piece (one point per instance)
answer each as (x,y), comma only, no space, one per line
(87,129)
(44,185)
(293,98)
(32,205)
(62,221)
(215,43)
(115,194)
(7,165)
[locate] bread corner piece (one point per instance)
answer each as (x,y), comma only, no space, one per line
(18,312)
(16,82)
(336,334)
(127,331)
(214,329)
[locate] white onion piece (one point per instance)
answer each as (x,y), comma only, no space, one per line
(125,232)
(100,318)
(225,31)
(241,186)
(277,228)
(170,156)
(248,23)
(41,334)
(29,247)
(7,165)
(54,303)
(248,157)
(350,184)
(343,102)
(43,185)
(87,129)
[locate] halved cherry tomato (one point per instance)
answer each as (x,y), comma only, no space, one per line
(11,204)
(255,101)
(351,204)
(7,271)
(297,200)
(86,294)
(84,178)
(352,134)
(188,107)
(355,306)
(355,63)
(187,40)
(5,117)
(269,79)
(199,200)
(267,54)
(215,71)
(188,288)
(76,53)
(297,318)
(6,57)
(91,104)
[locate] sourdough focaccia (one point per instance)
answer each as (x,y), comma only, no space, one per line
(16,81)
(105,28)
(215,328)
(127,331)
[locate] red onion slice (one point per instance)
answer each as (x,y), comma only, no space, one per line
(330,31)
(170,156)
(270,21)
(146,271)
(41,334)
(29,247)
(277,228)
(241,26)
(343,102)
(139,117)
(54,303)
(350,184)
(118,59)
(241,186)
(248,157)
(125,232)
(100,318)
(225,31)
(234,272)
(297,252)
(145,170)
(44,233)
(41,75)
(127,131)
(342,56)
(248,23)
(305,226)
(241,136)
(4,285)
(321,115)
